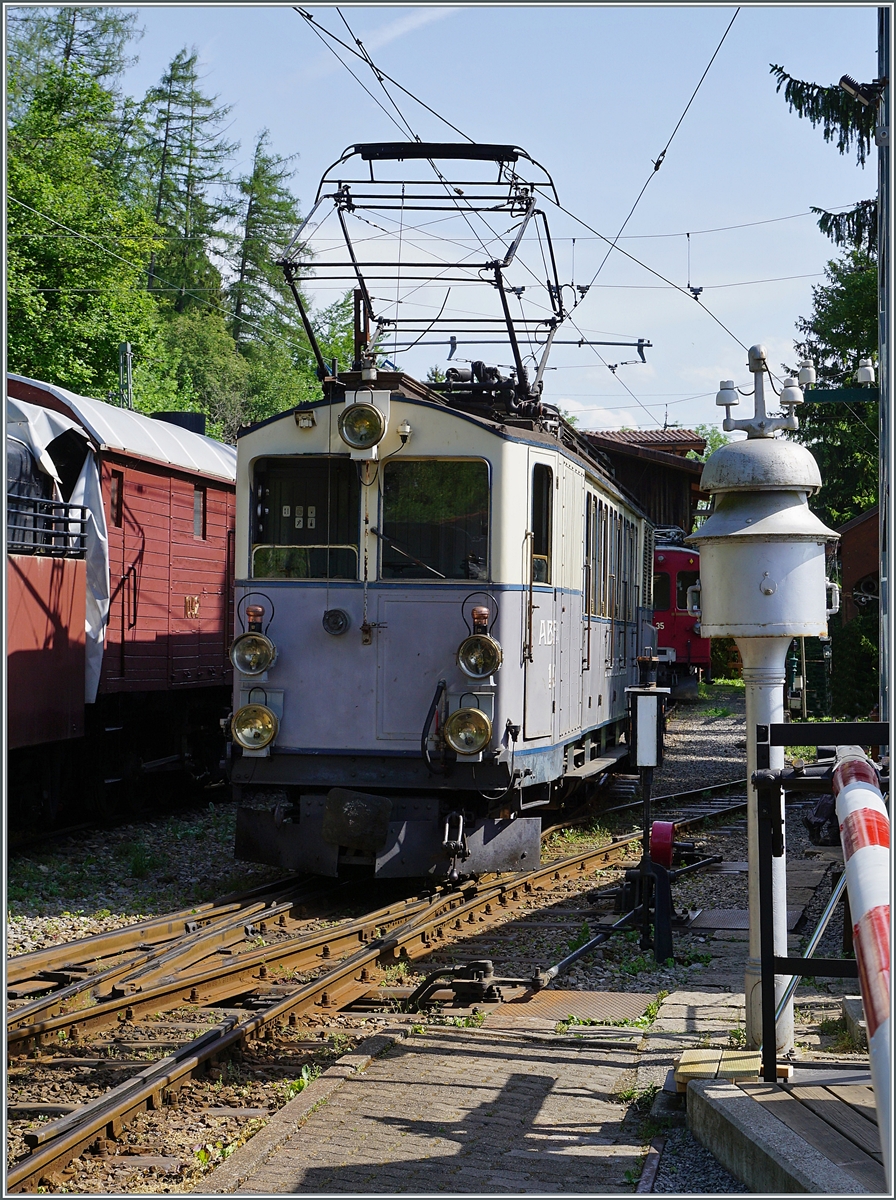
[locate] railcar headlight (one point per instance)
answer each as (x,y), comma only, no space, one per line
(468,731)
(361,426)
(254,726)
(479,656)
(252,653)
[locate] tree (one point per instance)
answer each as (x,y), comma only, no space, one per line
(93,38)
(843,437)
(186,158)
(74,248)
(714,438)
(851,124)
(268,215)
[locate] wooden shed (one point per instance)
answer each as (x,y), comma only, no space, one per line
(859,563)
(653,465)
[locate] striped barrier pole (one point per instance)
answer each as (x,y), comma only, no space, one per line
(865,835)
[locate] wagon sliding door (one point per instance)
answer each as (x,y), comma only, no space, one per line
(539,617)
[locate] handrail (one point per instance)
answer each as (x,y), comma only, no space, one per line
(865,834)
(35,525)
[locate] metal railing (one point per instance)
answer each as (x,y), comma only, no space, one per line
(47,527)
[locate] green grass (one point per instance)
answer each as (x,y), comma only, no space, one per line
(581,939)
(641,1099)
(716,712)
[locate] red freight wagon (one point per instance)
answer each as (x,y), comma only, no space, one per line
(154,585)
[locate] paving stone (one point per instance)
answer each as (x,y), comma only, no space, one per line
(512,1115)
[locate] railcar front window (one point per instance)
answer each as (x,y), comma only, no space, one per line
(686,579)
(661,591)
(435,520)
(305,519)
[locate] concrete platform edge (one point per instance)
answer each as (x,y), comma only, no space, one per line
(757,1148)
(226,1178)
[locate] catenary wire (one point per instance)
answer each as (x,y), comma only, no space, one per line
(659,160)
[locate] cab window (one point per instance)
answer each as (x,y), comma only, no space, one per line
(686,579)
(435,519)
(661,592)
(305,519)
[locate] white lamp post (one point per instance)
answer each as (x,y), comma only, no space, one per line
(762,576)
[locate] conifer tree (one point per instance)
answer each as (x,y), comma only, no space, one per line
(268,215)
(187,177)
(94,38)
(851,124)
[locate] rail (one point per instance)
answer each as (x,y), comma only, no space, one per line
(46,527)
(345,959)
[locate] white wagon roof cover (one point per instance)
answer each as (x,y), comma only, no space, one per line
(120,429)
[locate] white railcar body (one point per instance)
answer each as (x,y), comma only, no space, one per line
(462,512)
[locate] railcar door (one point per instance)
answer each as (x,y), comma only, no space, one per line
(569,597)
(540,623)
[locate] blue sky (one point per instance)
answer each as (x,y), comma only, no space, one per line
(593,93)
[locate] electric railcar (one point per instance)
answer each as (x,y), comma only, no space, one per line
(436,631)
(440,590)
(685,657)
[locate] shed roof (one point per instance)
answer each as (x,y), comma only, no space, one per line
(674,441)
(115,428)
(652,453)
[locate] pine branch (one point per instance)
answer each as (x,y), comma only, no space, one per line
(841,117)
(857,227)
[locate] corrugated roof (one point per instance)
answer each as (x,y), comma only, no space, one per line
(650,437)
(120,429)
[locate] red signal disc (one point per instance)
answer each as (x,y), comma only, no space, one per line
(662,840)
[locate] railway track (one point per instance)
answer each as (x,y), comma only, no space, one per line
(247,972)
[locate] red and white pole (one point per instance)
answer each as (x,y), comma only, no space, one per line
(865,835)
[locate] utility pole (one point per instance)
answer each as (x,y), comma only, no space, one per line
(885,514)
(125,378)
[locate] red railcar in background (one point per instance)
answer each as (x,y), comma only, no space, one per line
(685,657)
(119,601)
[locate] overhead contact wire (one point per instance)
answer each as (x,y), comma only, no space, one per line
(662,154)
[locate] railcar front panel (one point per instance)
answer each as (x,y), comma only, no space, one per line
(366,575)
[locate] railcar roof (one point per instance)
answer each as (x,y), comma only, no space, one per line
(405,387)
(120,429)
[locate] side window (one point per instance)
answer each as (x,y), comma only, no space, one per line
(603,558)
(686,579)
(661,592)
(116,496)
(592,587)
(542,520)
(199,527)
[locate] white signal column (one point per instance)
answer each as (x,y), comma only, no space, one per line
(865,834)
(762,582)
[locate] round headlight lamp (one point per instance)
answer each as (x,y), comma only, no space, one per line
(252,653)
(479,656)
(254,726)
(468,731)
(361,426)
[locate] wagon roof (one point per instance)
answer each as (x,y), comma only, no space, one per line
(120,429)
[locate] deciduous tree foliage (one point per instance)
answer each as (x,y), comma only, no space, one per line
(75,252)
(125,225)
